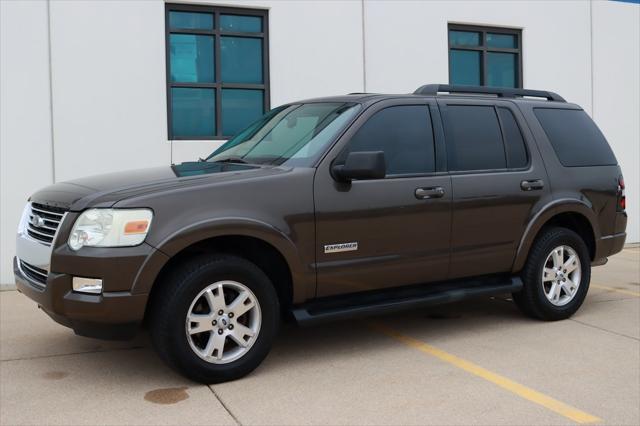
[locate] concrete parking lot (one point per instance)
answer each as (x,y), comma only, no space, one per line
(477,362)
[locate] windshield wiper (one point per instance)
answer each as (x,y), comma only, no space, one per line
(232,160)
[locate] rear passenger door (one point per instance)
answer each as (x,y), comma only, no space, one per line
(498,180)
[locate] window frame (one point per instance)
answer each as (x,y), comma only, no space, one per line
(505,142)
(336,151)
(569,107)
(217,85)
(484,49)
(446,123)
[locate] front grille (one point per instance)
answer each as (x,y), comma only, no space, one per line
(43,222)
(37,275)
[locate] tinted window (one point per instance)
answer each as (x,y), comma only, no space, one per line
(405,136)
(239,107)
(513,141)
(191,58)
(193,112)
(474,141)
(501,69)
(464,38)
(217,60)
(484,56)
(464,67)
(190,20)
(241,60)
(508,41)
(575,137)
(245,24)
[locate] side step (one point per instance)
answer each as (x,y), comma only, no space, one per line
(398,299)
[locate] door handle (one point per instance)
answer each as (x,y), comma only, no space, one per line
(431,192)
(530,185)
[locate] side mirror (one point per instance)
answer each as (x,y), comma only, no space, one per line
(360,166)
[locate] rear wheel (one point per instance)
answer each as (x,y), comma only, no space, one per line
(214,319)
(556,276)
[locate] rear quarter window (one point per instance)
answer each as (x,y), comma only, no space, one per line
(575,138)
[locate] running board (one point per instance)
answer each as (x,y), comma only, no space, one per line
(399,299)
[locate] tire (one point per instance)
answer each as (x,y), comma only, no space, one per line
(191,289)
(533,300)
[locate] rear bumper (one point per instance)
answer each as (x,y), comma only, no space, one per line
(614,243)
(110,315)
(608,246)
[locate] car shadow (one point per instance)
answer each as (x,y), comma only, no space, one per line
(352,338)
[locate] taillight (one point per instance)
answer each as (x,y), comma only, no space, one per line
(622,200)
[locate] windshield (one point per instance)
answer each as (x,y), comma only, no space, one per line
(294,135)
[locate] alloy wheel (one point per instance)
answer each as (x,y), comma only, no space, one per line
(223,322)
(561,275)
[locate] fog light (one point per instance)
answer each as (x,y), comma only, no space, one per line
(87,285)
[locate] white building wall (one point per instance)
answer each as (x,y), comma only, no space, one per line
(616,93)
(25,126)
(109,87)
(407,44)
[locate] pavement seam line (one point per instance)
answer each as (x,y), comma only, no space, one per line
(235,419)
(525,392)
(617,290)
(604,329)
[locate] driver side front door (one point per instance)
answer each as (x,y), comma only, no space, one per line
(380,233)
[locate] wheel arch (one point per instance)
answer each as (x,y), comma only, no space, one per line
(269,248)
(573,214)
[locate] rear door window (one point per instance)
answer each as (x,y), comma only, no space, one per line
(575,138)
(474,139)
(513,140)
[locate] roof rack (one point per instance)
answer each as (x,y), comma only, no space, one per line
(501,92)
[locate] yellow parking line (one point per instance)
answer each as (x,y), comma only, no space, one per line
(617,290)
(505,383)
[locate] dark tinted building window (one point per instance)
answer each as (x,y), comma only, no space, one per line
(405,136)
(513,140)
(485,56)
(575,137)
(474,140)
(217,63)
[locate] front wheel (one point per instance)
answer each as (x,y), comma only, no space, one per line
(214,318)
(556,276)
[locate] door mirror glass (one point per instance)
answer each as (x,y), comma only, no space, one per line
(360,166)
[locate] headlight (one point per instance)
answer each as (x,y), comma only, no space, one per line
(110,228)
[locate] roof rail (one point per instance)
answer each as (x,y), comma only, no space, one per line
(501,92)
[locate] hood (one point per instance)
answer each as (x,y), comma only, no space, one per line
(107,189)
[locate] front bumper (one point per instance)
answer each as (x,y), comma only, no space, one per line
(110,315)
(44,273)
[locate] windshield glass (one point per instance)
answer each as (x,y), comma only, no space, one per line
(289,135)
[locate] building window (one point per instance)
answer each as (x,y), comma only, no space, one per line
(217,70)
(485,56)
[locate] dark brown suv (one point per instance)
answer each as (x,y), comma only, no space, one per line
(331,208)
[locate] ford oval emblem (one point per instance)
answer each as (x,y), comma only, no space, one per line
(37,221)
